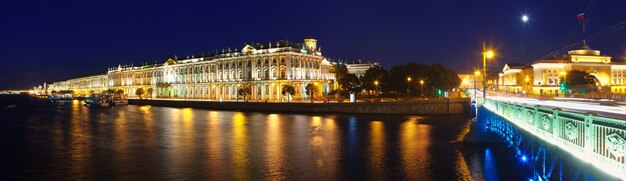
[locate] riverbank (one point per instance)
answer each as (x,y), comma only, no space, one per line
(421,107)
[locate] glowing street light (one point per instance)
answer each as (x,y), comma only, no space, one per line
(489,54)
(376,84)
(422,85)
(408,86)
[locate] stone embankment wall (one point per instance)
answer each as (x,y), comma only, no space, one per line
(421,107)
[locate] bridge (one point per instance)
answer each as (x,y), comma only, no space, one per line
(596,138)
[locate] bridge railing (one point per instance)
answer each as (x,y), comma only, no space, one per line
(595,139)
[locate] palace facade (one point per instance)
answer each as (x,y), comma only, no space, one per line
(81,86)
(260,70)
(543,76)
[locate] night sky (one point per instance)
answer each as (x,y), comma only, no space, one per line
(44,41)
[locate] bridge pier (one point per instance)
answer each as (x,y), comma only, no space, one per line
(478,132)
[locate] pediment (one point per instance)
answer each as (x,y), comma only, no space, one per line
(170,62)
(248,49)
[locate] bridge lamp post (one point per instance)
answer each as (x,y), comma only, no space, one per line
(476,74)
(376,84)
(408,86)
(487,54)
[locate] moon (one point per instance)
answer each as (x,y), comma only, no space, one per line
(525,18)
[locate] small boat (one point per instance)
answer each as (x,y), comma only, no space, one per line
(105,100)
(119,100)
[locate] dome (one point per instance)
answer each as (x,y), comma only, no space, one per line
(584,50)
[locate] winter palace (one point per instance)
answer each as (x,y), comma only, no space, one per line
(261,69)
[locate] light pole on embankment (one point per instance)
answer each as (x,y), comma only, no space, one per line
(487,54)
(376,84)
(408,86)
(422,88)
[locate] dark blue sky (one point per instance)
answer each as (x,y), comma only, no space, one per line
(53,40)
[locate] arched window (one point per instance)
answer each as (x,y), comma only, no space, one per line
(274,72)
(282,73)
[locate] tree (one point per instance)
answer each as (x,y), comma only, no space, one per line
(66,92)
(244,92)
(341,71)
(119,92)
(577,77)
(375,73)
(110,91)
(311,89)
(437,77)
(352,83)
(149,92)
(139,92)
(288,90)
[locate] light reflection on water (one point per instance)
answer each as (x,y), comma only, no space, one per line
(146,142)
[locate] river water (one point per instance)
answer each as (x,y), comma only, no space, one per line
(68,141)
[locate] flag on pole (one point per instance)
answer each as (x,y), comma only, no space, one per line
(581,16)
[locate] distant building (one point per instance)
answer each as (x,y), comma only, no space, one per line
(81,86)
(543,76)
(515,78)
(359,68)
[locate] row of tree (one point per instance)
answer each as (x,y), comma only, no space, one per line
(140,92)
(399,79)
(287,90)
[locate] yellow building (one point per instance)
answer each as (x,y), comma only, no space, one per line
(81,86)
(543,76)
(516,78)
(262,69)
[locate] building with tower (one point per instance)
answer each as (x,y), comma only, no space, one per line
(263,69)
(543,76)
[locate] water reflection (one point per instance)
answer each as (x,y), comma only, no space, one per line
(160,143)
(377,145)
(274,148)
(414,146)
(79,139)
(239,146)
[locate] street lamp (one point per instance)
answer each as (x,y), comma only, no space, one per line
(527,80)
(376,84)
(408,86)
(562,83)
(476,73)
(487,54)
(422,87)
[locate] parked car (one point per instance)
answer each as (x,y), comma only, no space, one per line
(387,100)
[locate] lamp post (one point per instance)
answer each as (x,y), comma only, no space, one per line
(408,86)
(376,84)
(486,54)
(422,87)
(476,73)
(527,80)
(564,74)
